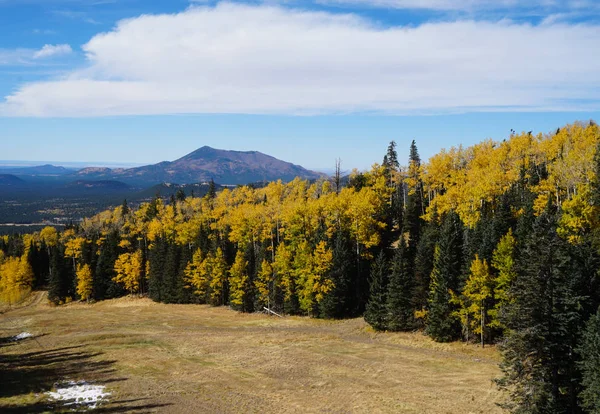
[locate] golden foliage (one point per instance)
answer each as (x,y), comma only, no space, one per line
(84,281)
(129,271)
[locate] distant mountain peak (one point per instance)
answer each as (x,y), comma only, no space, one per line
(205,164)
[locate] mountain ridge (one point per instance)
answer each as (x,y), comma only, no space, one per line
(228,167)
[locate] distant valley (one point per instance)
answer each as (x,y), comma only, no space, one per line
(55,194)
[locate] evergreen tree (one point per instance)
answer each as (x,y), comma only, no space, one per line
(544,319)
(399,304)
(414,208)
(338,302)
(40,263)
(376,311)
(392,157)
(590,365)
(173,285)
(61,285)
(104,287)
(212,190)
(156,258)
(424,263)
(442,325)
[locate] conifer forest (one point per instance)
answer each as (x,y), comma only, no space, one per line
(496,244)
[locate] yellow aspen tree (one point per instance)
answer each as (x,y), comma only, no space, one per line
(218,278)
(477,291)
(128,268)
(74,249)
(321,263)
(284,271)
(503,262)
(238,280)
(49,236)
(304,275)
(84,282)
(197,273)
(16,278)
(264,283)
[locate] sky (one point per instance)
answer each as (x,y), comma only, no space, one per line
(144,81)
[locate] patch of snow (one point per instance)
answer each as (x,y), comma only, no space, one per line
(21,336)
(79,393)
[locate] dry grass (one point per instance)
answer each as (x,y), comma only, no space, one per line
(185,358)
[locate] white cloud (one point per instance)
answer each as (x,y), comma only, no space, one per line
(234,58)
(540,6)
(52,50)
(14,56)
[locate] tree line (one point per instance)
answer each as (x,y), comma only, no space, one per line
(497,243)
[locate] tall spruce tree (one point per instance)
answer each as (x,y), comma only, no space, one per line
(544,317)
(376,310)
(61,285)
(590,365)
(157,257)
(424,256)
(338,302)
(399,304)
(414,208)
(104,287)
(441,325)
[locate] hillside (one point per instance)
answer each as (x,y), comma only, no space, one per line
(46,169)
(9,180)
(133,347)
(205,164)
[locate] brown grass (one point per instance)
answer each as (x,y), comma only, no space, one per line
(186,358)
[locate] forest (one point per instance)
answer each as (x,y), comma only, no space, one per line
(496,243)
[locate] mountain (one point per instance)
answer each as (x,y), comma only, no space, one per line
(204,164)
(9,180)
(47,169)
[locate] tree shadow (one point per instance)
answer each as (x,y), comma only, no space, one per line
(36,372)
(133,406)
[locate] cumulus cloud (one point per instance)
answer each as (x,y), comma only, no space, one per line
(52,50)
(234,58)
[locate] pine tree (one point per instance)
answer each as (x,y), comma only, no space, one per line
(414,208)
(391,157)
(399,305)
(442,325)
(376,311)
(590,365)
(61,286)
(544,321)
(212,190)
(156,259)
(424,264)
(338,302)
(104,285)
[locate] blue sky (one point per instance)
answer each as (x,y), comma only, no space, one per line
(146,81)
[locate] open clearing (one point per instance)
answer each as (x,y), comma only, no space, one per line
(190,359)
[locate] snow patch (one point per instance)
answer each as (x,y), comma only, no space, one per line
(79,393)
(21,336)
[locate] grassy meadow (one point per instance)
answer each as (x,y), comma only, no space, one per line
(190,359)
